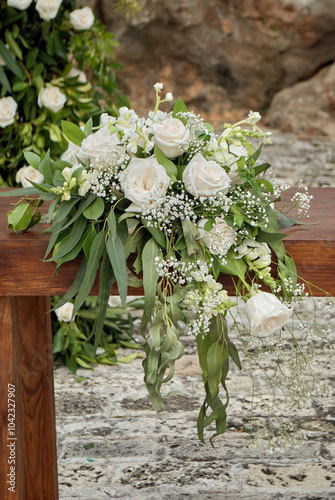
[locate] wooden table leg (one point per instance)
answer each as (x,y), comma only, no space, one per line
(26,349)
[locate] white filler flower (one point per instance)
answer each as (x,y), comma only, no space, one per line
(266,314)
(219,238)
(8,109)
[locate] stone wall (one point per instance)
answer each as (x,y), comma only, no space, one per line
(223,57)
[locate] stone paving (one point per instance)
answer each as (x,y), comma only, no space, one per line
(111,443)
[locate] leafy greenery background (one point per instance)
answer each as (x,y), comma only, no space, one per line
(36,52)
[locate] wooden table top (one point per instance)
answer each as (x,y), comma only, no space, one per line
(22,271)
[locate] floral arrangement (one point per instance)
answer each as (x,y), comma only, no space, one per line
(56,63)
(165,203)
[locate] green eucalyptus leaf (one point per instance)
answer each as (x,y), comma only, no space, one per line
(118,261)
(95,210)
(150,277)
(19,219)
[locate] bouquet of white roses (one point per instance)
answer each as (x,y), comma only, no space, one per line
(166,204)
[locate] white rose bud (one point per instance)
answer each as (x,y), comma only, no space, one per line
(64,313)
(169,136)
(82,78)
(48,9)
(8,109)
(266,314)
(205,177)
(19,4)
(143,182)
(82,19)
(51,98)
(28,173)
(219,238)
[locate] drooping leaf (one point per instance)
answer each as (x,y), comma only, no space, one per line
(150,278)
(19,219)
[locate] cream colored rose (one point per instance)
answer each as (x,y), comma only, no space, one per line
(71,153)
(205,178)
(82,19)
(19,4)
(64,313)
(28,173)
(220,237)
(97,145)
(48,9)
(8,109)
(143,182)
(169,136)
(266,314)
(51,98)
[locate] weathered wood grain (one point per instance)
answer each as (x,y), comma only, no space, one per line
(22,271)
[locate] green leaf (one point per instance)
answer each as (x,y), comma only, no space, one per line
(118,261)
(170,167)
(67,244)
(73,132)
(130,357)
(88,446)
(150,278)
(234,266)
(64,209)
(14,47)
(94,211)
(19,219)
(74,288)
(216,356)
(179,107)
(18,86)
(264,236)
(10,61)
(88,127)
(20,192)
(159,236)
(5,82)
(58,341)
(233,353)
(98,247)
(107,278)
(32,158)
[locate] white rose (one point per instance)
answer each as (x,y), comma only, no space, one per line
(205,178)
(51,98)
(266,314)
(97,145)
(8,109)
(19,4)
(82,78)
(28,173)
(82,19)
(71,153)
(48,9)
(143,182)
(64,313)
(219,238)
(169,136)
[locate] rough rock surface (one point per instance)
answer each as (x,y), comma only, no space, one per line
(307,107)
(141,455)
(222,57)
